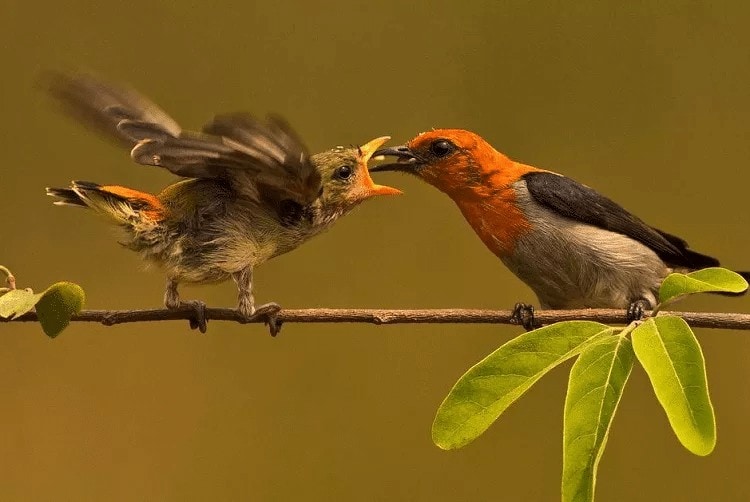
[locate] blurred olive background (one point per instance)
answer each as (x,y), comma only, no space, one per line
(647,103)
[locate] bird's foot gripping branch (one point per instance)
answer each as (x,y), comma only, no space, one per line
(663,344)
(54,306)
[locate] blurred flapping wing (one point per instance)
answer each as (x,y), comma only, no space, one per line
(279,158)
(263,157)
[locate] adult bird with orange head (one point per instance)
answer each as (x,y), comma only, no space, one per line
(574,247)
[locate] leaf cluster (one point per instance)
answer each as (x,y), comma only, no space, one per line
(665,346)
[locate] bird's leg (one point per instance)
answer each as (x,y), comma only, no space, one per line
(246,302)
(172,301)
(171,296)
(636,310)
(523,314)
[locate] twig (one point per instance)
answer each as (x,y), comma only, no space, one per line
(10,280)
(383,316)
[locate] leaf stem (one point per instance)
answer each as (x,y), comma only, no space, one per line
(9,277)
(630,327)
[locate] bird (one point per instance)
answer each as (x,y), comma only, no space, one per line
(574,247)
(250,189)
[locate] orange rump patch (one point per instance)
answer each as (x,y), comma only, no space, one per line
(149,204)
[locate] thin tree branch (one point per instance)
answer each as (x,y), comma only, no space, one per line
(383,316)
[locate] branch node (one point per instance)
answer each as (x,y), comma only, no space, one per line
(109,320)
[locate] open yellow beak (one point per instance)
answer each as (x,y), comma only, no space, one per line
(365,152)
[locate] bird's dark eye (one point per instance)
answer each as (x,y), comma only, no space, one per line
(442,147)
(343,172)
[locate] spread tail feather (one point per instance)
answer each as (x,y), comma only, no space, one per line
(67,196)
(123,205)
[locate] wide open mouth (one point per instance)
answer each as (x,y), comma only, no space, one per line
(366,152)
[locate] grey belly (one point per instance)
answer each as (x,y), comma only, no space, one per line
(574,265)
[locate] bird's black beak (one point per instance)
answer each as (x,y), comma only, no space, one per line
(406,160)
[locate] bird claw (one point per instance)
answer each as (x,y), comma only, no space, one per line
(267,312)
(198,322)
(636,310)
(523,315)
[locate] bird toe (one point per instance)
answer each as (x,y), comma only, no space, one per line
(523,315)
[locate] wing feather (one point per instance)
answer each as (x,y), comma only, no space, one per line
(263,157)
(102,105)
(275,146)
(578,202)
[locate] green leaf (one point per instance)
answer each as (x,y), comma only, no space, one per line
(17,302)
(493,384)
(672,358)
(57,305)
(708,280)
(595,387)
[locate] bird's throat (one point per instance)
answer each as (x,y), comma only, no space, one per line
(496,218)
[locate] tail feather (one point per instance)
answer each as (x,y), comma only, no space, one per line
(67,196)
(687,257)
(123,205)
(699,260)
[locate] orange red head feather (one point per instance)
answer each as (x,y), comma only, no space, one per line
(477,177)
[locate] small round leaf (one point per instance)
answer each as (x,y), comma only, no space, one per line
(57,305)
